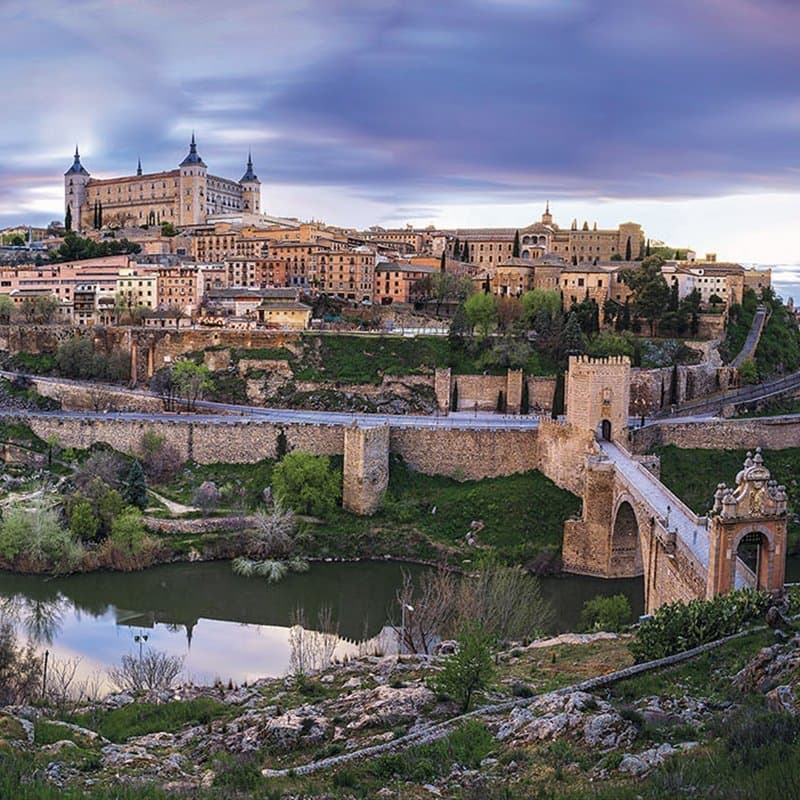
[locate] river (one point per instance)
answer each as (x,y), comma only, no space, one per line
(229,627)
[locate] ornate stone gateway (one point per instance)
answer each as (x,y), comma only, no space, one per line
(748,531)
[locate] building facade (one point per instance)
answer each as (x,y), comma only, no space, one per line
(184,196)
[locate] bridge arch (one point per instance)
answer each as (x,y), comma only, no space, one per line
(626,543)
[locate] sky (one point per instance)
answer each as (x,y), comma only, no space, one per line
(683,115)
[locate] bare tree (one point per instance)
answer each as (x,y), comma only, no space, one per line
(273,535)
(312,649)
(434,608)
(154,670)
(62,681)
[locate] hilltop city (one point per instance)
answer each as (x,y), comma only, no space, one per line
(295,510)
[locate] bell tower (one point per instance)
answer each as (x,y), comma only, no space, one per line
(251,189)
(76,179)
(192,185)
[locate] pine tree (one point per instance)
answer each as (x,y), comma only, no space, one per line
(135,486)
(454,398)
(68,219)
(573,342)
(628,249)
(515,249)
(525,400)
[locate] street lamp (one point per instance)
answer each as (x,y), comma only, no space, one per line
(140,639)
(405,607)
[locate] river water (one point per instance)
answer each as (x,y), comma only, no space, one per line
(230,627)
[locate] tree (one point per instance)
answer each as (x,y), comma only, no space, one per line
(538,300)
(673,297)
(135,492)
(606,613)
(558,397)
(628,249)
(306,483)
(151,671)
(515,248)
(500,406)
(163,384)
(525,401)
(191,381)
(83,522)
(454,397)
(651,294)
(573,342)
(127,531)
(482,312)
(459,325)
(6,308)
(465,253)
(470,669)
(443,261)
(748,372)
(715,300)
(68,219)
(99,214)
(647,249)
(509,310)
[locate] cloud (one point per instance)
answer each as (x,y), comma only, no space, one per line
(401,104)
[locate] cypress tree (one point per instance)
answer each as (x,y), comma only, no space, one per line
(673,389)
(68,219)
(456,248)
(558,397)
(628,249)
(626,317)
(673,296)
(281,445)
(515,249)
(501,402)
(443,262)
(647,249)
(136,486)
(454,398)
(677,255)
(525,401)
(465,254)
(100,214)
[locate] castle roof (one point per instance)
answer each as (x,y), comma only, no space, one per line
(76,168)
(249,176)
(192,157)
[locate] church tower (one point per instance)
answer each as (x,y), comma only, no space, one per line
(547,217)
(193,188)
(251,189)
(76,179)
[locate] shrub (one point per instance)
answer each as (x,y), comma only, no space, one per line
(306,483)
(748,372)
(273,536)
(470,669)
(606,613)
(751,732)
(676,627)
(82,521)
(206,496)
(127,531)
(153,671)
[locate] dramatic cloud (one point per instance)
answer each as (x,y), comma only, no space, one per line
(408,105)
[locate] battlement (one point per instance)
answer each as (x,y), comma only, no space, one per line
(608,361)
(598,394)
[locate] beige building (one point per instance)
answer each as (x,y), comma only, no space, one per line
(137,289)
(184,196)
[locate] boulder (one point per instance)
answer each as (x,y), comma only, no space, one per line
(383,706)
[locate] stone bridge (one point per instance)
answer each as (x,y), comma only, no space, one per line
(633,525)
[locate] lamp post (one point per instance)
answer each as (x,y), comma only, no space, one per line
(140,639)
(405,607)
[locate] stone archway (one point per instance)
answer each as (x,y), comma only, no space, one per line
(605,430)
(753,555)
(626,548)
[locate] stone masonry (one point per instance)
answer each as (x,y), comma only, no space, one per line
(366,468)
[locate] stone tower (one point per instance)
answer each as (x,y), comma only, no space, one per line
(366,468)
(193,188)
(598,394)
(76,179)
(251,189)
(747,541)
(547,217)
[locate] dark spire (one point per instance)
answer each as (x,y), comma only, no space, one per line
(139,168)
(249,175)
(77,167)
(193,157)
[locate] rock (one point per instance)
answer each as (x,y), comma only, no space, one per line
(446,648)
(635,765)
(608,731)
(286,731)
(647,760)
(429,787)
(327,678)
(383,706)
(352,683)
(57,747)
(783,698)
(119,700)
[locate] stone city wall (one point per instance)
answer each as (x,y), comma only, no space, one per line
(771,433)
(366,468)
(98,397)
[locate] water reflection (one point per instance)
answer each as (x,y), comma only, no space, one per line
(230,627)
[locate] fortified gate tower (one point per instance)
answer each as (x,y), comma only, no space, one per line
(598,395)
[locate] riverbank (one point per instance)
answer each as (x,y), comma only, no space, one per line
(640,738)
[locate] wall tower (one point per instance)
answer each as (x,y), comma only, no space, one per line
(251,189)
(598,395)
(193,186)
